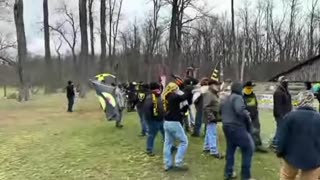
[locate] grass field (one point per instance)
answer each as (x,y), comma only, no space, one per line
(39,140)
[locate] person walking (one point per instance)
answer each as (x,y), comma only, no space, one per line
(173,100)
(299,141)
(282,105)
(142,93)
(251,101)
(70,95)
(153,112)
(237,129)
(211,111)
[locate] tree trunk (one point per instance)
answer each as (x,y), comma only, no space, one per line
(84,47)
(111,8)
(50,80)
(173,37)
(234,46)
(103,60)
(91,24)
(22,49)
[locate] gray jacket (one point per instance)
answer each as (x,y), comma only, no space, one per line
(233,109)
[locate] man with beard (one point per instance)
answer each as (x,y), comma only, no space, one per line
(211,111)
(282,105)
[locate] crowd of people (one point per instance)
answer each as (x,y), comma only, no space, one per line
(166,110)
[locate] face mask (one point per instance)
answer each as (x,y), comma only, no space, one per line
(248,90)
(285,84)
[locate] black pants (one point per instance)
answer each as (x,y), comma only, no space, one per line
(256,132)
(70,104)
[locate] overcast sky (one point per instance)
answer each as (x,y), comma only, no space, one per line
(132,10)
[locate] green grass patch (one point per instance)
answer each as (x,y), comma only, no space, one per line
(40,141)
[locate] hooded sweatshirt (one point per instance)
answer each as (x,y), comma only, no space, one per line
(233,109)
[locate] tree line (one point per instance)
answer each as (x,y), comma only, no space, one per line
(256,42)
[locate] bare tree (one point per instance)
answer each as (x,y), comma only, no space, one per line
(152,32)
(234,47)
(22,49)
(178,20)
(49,67)
(70,37)
(91,25)
(114,10)
(312,25)
(103,35)
(58,45)
(84,46)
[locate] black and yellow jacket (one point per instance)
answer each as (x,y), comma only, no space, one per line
(153,108)
(252,105)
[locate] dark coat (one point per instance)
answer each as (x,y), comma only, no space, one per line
(70,91)
(233,110)
(299,139)
(148,109)
(282,103)
(252,105)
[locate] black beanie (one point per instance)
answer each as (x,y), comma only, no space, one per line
(154,86)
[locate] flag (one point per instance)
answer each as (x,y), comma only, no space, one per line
(108,100)
(102,77)
(215,75)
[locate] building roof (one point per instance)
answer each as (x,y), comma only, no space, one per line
(297,67)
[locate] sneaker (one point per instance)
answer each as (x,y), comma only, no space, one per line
(217,156)
(119,126)
(261,149)
(206,151)
(143,135)
(234,176)
(151,154)
(181,168)
(166,169)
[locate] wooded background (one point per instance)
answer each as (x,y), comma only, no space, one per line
(253,43)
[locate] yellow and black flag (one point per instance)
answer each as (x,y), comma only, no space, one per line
(108,100)
(103,77)
(215,75)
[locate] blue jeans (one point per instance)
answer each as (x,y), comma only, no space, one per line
(276,136)
(198,123)
(153,127)
(143,122)
(174,131)
(211,138)
(238,137)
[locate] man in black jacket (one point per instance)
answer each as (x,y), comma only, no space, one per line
(175,103)
(282,105)
(141,96)
(153,115)
(70,95)
(251,102)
